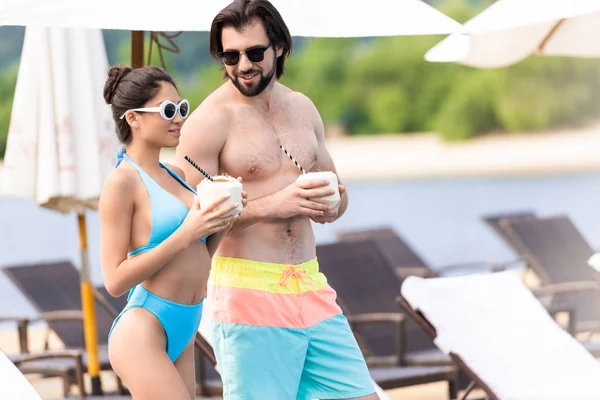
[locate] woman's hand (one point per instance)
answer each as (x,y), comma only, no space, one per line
(203,222)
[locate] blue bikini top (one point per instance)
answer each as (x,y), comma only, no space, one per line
(168,212)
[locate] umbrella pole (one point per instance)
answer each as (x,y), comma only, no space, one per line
(89,315)
(137,49)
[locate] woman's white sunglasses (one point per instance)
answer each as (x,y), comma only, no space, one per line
(167,109)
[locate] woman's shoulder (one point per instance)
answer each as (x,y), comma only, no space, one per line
(121,181)
(176,170)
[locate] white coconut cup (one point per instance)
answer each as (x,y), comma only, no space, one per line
(331,200)
(209,192)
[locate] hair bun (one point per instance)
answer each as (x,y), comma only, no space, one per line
(115,75)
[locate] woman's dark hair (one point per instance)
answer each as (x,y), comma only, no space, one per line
(239,14)
(127,88)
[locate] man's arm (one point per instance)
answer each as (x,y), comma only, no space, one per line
(325,162)
(214,240)
(286,203)
(255,211)
(203,136)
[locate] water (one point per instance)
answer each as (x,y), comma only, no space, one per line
(440,218)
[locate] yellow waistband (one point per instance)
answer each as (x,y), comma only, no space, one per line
(240,266)
(269,277)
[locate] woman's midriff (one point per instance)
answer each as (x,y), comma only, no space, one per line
(183,279)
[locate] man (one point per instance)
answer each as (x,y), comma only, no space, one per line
(278,332)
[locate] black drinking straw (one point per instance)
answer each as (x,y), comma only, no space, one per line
(198,168)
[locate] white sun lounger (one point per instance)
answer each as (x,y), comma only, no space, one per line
(13,384)
(501,335)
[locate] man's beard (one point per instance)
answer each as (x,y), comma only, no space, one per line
(257,88)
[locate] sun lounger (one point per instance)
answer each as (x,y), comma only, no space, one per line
(406,261)
(499,333)
(13,384)
(496,221)
(558,254)
(53,289)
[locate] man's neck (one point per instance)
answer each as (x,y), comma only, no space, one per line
(263,100)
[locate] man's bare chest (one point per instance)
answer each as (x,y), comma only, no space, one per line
(253,148)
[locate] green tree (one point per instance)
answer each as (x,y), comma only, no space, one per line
(8,82)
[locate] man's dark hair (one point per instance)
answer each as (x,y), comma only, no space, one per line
(241,13)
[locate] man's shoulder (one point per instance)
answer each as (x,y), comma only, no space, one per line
(213,112)
(296,99)
(216,102)
(299,102)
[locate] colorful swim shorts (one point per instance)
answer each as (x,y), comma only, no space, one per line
(279,334)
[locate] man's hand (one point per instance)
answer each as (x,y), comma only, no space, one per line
(244,194)
(331,215)
(294,200)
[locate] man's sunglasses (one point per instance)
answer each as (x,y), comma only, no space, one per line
(167,109)
(254,54)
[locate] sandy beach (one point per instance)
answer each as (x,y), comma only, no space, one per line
(426,155)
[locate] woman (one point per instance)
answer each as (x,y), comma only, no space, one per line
(156,240)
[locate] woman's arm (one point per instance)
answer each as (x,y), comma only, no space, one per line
(116,211)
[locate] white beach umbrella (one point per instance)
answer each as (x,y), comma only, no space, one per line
(510,30)
(321,18)
(61,142)
(314,18)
